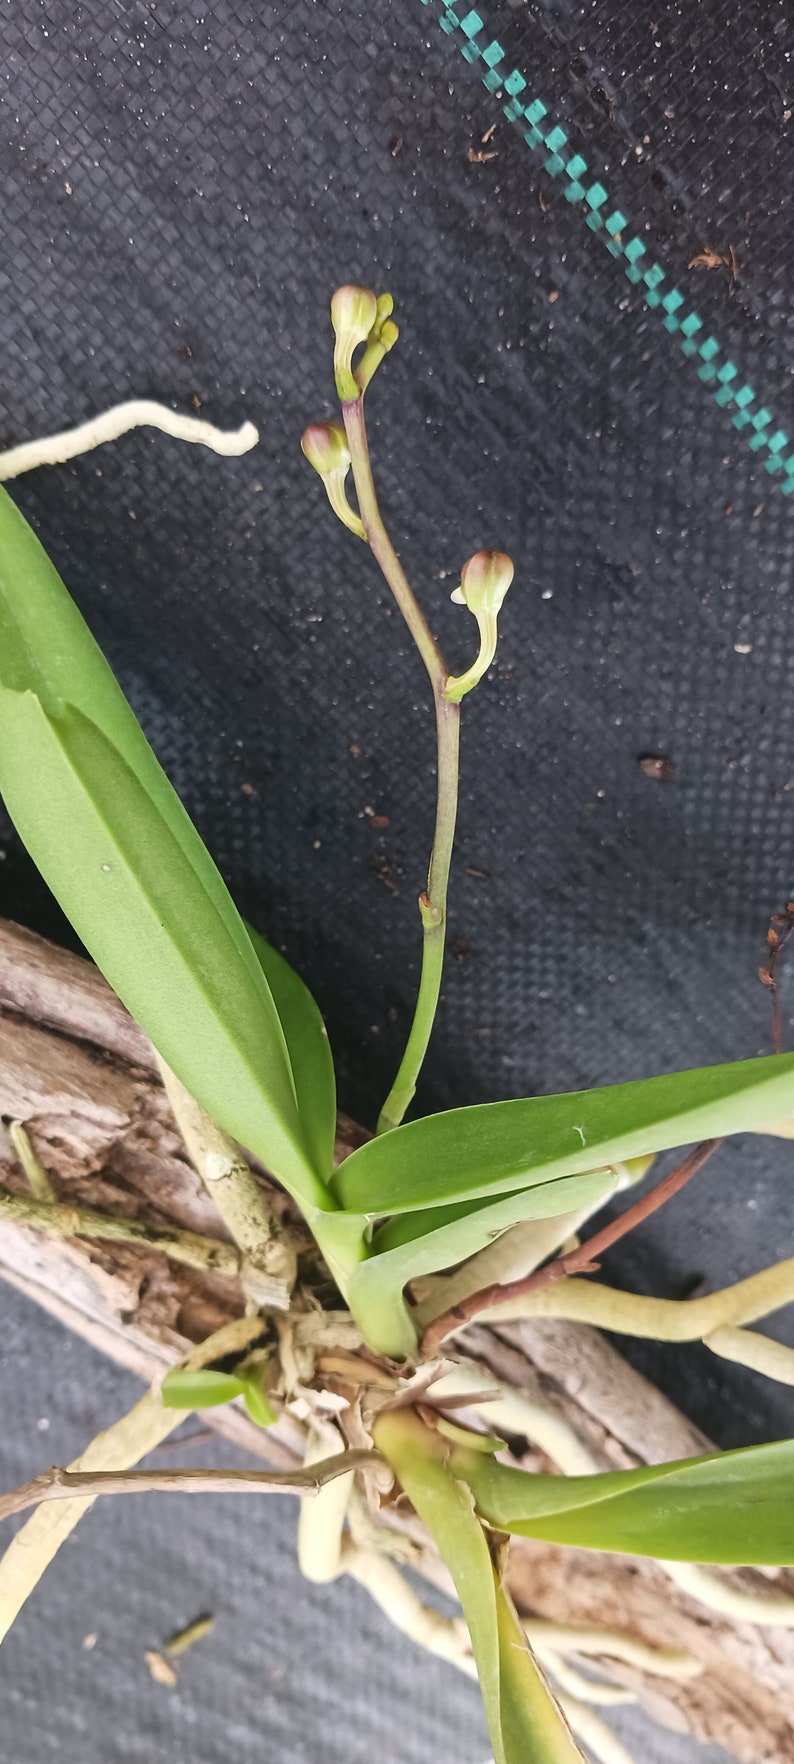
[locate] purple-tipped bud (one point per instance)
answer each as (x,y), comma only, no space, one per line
(354,312)
(484,582)
(325,447)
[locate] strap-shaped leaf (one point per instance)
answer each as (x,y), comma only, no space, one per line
(414,1244)
(731,1507)
(115,845)
(47,648)
(309,1051)
(524,1722)
(133,896)
(494,1148)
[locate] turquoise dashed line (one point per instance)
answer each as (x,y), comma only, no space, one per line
(722,376)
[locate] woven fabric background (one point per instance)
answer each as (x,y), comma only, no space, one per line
(182,189)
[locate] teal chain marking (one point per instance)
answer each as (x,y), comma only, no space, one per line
(531,115)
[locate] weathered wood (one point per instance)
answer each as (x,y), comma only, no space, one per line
(80,1074)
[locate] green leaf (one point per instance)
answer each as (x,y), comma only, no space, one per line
(732,1507)
(182,1389)
(309,1051)
(207,1389)
(116,847)
(534,1729)
(46,648)
(523,1720)
(422,1243)
(495,1148)
(255,1396)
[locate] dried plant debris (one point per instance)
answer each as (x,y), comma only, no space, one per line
(657,765)
(478,155)
(182,1639)
(710,259)
(161,1670)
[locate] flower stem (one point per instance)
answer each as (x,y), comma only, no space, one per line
(58,1484)
(433,909)
(433,902)
(382,548)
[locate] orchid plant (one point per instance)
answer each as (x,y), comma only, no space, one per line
(428,1224)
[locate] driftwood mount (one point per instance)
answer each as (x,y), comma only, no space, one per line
(81,1076)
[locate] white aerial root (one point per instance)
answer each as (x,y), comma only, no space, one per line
(39,1183)
(270,1255)
(747,1348)
(448,1638)
(573,1638)
(528,1417)
(731,1601)
(322,1521)
(717,1319)
(569,1680)
(135,413)
(600,1740)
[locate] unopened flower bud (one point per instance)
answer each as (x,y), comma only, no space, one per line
(484,582)
(354,312)
(382,338)
(325,447)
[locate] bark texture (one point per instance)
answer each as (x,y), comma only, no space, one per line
(81,1076)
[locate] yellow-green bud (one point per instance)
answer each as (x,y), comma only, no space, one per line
(484,582)
(381,339)
(354,312)
(325,447)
